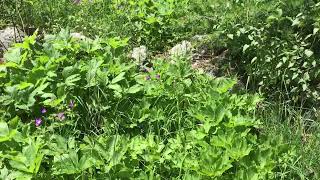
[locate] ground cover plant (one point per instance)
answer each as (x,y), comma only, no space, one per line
(171,122)
(86,105)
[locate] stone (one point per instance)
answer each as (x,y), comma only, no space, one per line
(78,36)
(8,36)
(139,54)
(181,49)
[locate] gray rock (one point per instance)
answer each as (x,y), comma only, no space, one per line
(8,36)
(181,49)
(78,36)
(139,54)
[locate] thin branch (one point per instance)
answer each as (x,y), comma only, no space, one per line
(3,45)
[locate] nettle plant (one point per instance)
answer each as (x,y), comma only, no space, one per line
(281,55)
(80,108)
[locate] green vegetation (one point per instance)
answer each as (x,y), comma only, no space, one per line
(87,107)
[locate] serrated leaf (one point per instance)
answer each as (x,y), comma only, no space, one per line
(70,81)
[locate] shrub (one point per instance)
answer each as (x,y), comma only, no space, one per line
(280,55)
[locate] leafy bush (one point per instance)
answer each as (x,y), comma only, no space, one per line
(80,108)
(280,55)
(155,23)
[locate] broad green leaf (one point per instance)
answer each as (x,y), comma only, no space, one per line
(224,84)
(9,65)
(24,85)
(291,64)
(151,20)
(308,52)
(117,42)
(304,87)
(134,89)
(4,129)
(245,47)
(118,78)
(4,173)
(296,22)
(85,163)
(67,71)
(187,82)
(115,87)
(19,165)
(306,76)
(141,79)
(18,175)
(49,95)
(295,75)
(230,36)
(13,55)
(279,65)
(253,60)
(70,81)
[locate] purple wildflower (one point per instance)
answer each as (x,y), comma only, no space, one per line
(148,77)
(71,104)
(43,110)
(158,76)
(38,122)
(61,116)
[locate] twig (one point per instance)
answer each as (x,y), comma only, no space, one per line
(22,23)
(3,45)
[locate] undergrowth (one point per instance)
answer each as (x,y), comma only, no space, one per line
(109,117)
(108,120)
